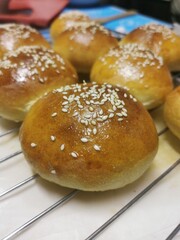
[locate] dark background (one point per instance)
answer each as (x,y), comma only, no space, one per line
(156,8)
(160,9)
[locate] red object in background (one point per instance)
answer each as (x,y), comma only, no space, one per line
(34,12)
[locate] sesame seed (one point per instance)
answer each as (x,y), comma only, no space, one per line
(33,145)
(97,148)
(53,138)
(94,131)
(124,114)
(84,140)
(65,103)
(111,115)
(64,110)
(54,114)
(120,119)
(75,114)
(53,171)
(93,122)
(74,154)
(62,147)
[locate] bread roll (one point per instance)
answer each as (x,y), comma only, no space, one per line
(136,68)
(172,111)
(65,21)
(161,40)
(28,73)
(13,36)
(97,137)
(83,43)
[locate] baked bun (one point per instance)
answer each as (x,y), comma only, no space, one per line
(83,43)
(13,36)
(97,137)
(65,21)
(28,73)
(136,68)
(172,111)
(161,40)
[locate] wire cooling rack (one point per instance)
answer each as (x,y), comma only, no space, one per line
(32,208)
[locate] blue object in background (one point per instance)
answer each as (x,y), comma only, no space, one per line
(124,25)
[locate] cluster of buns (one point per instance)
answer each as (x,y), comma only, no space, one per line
(95,137)
(28,70)
(80,41)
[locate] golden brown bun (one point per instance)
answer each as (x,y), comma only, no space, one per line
(65,21)
(83,43)
(161,40)
(13,36)
(172,111)
(97,137)
(136,68)
(28,73)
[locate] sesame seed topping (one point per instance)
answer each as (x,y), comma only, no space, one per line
(37,60)
(93,107)
(133,55)
(157,28)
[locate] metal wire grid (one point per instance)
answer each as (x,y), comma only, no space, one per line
(21,186)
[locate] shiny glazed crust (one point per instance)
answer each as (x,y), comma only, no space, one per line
(83,43)
(28,73)
(161,40)
(65,21)
(136,68)
(89,137)
(172,111)
(13,36)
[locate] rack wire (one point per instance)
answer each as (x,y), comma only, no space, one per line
(32,208)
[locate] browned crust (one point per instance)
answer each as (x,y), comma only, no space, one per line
(65,21)
(83,43)
(127,147)
(172,111)
(13,36)
(161,40)
(28,73)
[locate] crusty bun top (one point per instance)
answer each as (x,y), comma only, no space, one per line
(83,43)
(172,111)
(65,21)
(89,136)
(161,40)
(13,36)
(28,73)
(137,68)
